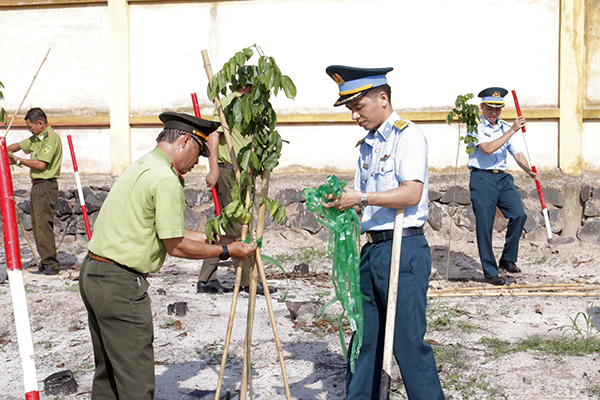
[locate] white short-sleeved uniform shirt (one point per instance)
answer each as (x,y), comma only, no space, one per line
(394,153)
(486,132)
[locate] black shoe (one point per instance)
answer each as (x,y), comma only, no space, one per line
(213,287)
(497,281)
(259,289)
(509,266)
(46,270)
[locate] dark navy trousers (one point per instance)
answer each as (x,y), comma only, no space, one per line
(414,356)
(489,191)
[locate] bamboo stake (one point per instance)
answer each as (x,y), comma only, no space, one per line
(26,93)
(28,241)
(238,273)
(217,102)
(236,291)
(260,224)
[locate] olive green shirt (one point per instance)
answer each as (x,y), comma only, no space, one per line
(237,140)
(46,147)
(144,206)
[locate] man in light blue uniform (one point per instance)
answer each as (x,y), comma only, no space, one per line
(391,173)
(492,187)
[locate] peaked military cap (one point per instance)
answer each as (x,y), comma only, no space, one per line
(493,96)
(198,127)
(355,82)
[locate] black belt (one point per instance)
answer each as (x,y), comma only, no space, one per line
(113,262)
(34,181)
(381,236)
(492,171)
(225,165)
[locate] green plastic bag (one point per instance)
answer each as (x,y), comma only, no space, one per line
(344,250)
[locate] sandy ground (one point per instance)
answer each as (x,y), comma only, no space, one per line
(188,348)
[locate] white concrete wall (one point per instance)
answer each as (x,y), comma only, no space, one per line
(438,49)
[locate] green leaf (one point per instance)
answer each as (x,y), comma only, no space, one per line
(288,87)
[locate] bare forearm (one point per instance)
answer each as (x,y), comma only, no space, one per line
(407,195)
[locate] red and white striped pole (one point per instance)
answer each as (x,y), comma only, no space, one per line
(537,182)
(15,276)
(79,190)
(214,189)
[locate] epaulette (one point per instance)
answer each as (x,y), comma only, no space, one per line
(360,141)
(400,124)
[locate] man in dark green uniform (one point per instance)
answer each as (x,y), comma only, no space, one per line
(45,148)
(142,220)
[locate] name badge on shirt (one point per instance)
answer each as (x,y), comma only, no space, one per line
(366,166)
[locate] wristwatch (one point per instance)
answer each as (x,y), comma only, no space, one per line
(364,200)
(225,254)
(19,161)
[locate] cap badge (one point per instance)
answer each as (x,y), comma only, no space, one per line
(496,94)
(338,79)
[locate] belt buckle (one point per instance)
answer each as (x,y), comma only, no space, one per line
(495,171)
(369,238)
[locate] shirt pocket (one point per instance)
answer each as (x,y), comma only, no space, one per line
(385,175)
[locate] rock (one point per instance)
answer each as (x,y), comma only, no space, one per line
(75,225)
(551,196)
(557,223)
(60,384)
(436,215)
(592,208)
(289,196)
(538,235)
(465,217)
(3,273)
(25,220)
(192,197)
(586,193)
(301,268)
(306,220)
(434,195)
(535,220)
(93,202)
(590,231)
(180,309)
(463,196)
(25,206)
(305,310)
(500,222)
(210,395)
(20,193)
(523,193)
(192,219)
(63,209)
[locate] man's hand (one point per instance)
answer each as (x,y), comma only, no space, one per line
(348,199)
(12,160)
(212,178)
(241,250)
(519,123)
(534,175)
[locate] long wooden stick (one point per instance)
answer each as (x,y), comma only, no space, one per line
(28,241)
(217,102)
(260,224)
(26,93)
(390,318)
(236,291)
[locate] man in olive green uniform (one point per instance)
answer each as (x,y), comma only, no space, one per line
(45,148)
(142,220)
